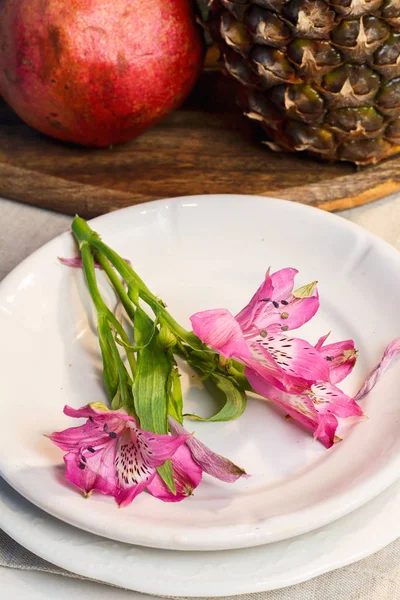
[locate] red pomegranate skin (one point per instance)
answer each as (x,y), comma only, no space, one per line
(97,72)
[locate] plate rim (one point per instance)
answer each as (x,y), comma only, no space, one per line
(75,561)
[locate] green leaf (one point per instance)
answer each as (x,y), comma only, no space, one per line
(306,291)
(125,399)
(225,390)
(150,387)
(141,346)
(204,361)
(166,474)
(110,371)
(175,404)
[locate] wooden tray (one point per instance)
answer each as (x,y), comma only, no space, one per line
(207,147)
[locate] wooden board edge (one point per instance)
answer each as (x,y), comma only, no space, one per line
(62,195)
(365,197)
(349,191)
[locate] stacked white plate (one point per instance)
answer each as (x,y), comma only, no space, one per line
(304,510)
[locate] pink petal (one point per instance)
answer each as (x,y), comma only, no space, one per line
(328,398)
(340,356)
(267,369)
(96,431)
(93,470)
(84,412)
(133,473)
(138,455)
(336,412)
(214,464)
(283,282)
(219,329)
(298,311)
(84,480)
(259,311)
(254,311)
(75,437)
(76,262)
(299,407)
(126,495)
(322,341)
(322,409)
(294,360)
(93,410)
(273,307)
(326,429)
(187,476)
(161,447)
(390,353)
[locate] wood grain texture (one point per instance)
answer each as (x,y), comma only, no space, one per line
(207,147)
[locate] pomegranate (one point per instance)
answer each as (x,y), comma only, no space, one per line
(97,72)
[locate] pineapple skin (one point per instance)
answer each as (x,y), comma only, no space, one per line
(320,77)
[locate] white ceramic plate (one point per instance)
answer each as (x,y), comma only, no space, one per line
(223,573)
(198,253)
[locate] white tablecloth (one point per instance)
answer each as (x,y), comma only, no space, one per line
(23,229)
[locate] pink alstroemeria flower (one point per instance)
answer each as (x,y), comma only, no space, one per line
(188,464)
(323,408)
(257,335)
(111,454)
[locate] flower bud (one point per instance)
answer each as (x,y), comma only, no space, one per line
(166,338)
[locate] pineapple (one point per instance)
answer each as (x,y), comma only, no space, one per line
(321,77)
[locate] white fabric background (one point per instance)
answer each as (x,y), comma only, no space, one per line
(23,229)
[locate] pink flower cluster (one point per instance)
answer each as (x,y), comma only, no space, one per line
(299,377)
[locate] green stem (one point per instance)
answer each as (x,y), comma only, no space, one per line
(101,307)
(164,315)
(84,233)
(105,315)
(126,303)
(90,274)
(116,283)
